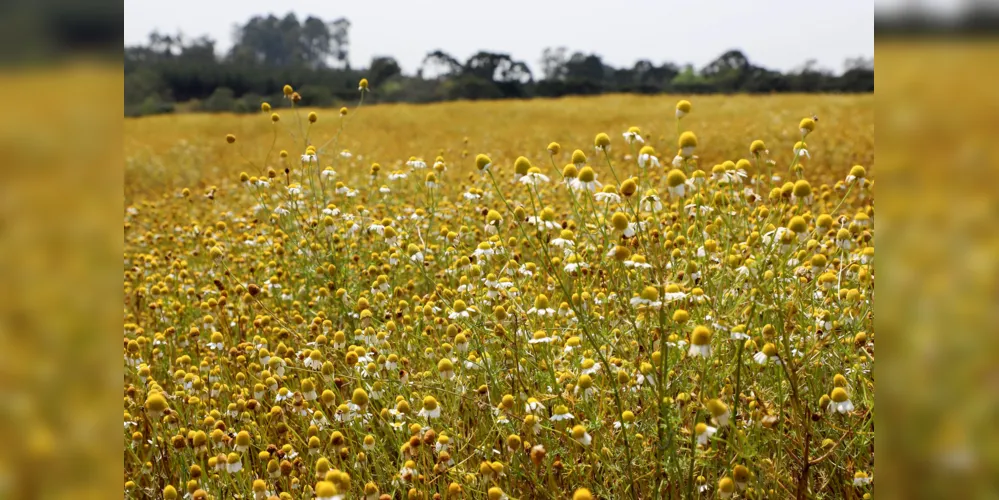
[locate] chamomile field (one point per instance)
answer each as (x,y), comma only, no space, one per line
(600,297)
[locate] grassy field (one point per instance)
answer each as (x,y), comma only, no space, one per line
(170,152)
(523,299)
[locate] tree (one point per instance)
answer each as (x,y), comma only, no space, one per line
(286,42)
(514,71)
(222,99)
(809,77)
(762,80)
(485,64)
(497,67)
(163,44)
(439,64)
(199,50)
(262,40)
(313,55)
(663,73)
(859,63)
(650,78)
(316,95)
(382,69)
(583,67)
(859,75)
(728,72)
(317,42)
(553,63)
(688,81)
(340,33)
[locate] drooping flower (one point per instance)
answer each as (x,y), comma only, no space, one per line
(647,157)
(700,342)
(682,108)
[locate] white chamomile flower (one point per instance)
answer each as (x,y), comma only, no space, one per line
(647,158)
(861,478)
(534,178)
(561,413)
(767,354)
(840,401)
(541,307)
(633,135)
(607,197)
(586,180)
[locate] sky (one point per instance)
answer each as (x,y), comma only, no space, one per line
(776,34)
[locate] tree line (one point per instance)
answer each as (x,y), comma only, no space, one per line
(174,72)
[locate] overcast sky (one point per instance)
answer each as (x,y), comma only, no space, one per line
(774,34)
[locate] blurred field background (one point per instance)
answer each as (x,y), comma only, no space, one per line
(167,153)
(938,263)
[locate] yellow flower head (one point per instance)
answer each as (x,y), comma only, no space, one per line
(769,349)
(681,316)
(687,140)
(602,141)
(802,189)
(541,302)
(839,395)
(798,224)
(621,253)
(359,397)
(726,485)
(429,403)
(858,172)
(700,336)
(675,177)
(493,217)
(806,126)
(521,165)
(619,221)
(482,162)
(570,171)
(717,407)
(325,489)
(629,187)
(156,403)
(740,473)
(682,108)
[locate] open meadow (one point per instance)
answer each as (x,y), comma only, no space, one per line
(588,297)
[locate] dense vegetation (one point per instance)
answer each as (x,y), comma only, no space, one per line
(603,297)
(314,55)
